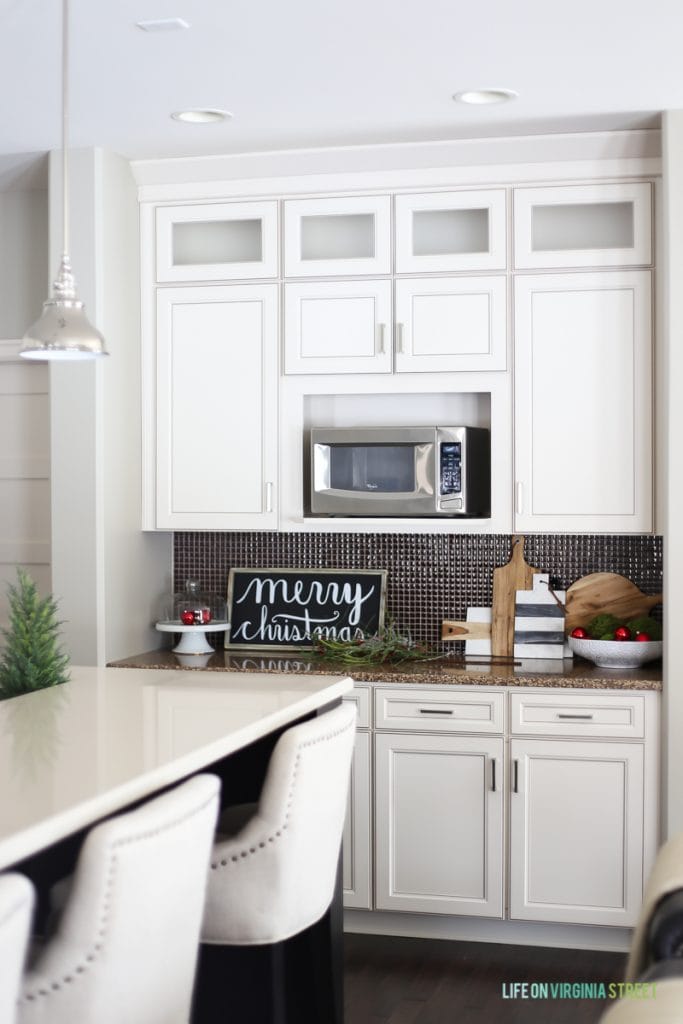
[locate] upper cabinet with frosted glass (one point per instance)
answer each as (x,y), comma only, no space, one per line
(571,226)
(217,241)
(447,232)
(338,236)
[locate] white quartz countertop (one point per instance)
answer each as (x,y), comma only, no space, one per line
(74,753)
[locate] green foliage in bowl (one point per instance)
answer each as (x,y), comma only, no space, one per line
(602,626)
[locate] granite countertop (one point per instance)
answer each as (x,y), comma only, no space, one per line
(578,674)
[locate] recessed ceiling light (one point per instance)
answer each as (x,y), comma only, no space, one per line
(207,116)
(484,96)
(162,24)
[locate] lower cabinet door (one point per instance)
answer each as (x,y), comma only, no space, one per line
(357,851)
(576,831)
(439,824)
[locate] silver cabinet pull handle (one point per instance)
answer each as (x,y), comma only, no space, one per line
(399,338)
(493,775)
(515,776)
(434,711)
(269,496)
(585,718)
(379,339)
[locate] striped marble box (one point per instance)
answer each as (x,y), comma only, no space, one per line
(539,621)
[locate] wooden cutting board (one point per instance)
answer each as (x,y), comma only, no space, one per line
(605,592)
(507,579)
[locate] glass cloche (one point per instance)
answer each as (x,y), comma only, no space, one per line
(193,607)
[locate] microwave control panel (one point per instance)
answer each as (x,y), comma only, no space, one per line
(450,461)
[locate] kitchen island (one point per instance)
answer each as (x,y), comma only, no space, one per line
(76,753)
(73,754)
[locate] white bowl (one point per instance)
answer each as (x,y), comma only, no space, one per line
(617,653)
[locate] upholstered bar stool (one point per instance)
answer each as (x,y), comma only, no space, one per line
(273,873)
(16,906)
(125,947)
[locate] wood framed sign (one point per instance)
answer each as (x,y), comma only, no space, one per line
(289,609)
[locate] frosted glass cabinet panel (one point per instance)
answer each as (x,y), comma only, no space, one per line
(583,402)
(334,237)
(450,231)
(217,241)
(583,226)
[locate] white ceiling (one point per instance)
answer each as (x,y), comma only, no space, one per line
(301,73)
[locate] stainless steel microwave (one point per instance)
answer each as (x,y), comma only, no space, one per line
(400,471)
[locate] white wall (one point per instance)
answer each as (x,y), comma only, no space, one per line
(107,574)
(670,430)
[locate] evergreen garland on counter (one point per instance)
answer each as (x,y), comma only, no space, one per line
(378,649)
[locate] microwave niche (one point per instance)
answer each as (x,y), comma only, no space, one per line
(400,471)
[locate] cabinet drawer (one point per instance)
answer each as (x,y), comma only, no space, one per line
(360,696)
(439,710)
(577,715)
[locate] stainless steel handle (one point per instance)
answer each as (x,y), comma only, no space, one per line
(585,718)
(493,775)
(434,711)
(515,776)
(399,338)
(520,497)
(379,339)
(269,496)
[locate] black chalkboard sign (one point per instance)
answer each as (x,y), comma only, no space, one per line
(291,608)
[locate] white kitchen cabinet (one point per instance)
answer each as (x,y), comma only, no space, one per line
(450,231)
(338,327)
(570,226)
(332,237)
(217,241)
(356,841)
(439,823)
(583,799)
(576,831)
(357,837)
(216,387)
(583,402)
(448,324)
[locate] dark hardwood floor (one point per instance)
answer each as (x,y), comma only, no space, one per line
(425,981)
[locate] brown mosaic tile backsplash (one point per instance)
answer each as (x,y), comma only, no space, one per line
(430,576)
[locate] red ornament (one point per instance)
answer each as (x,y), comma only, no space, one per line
(206,616)
(187,618)
(643,638)
(622,633)
(579,633)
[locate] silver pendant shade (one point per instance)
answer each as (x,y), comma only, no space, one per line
(63,331)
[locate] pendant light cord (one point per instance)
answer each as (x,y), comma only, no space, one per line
(65,127)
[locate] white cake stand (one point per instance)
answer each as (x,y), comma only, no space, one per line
(192,640)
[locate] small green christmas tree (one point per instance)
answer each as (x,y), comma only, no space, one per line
(32,658)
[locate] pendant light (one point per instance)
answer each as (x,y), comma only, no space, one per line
(63,331)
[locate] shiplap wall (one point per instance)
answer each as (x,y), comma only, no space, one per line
(24,471)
